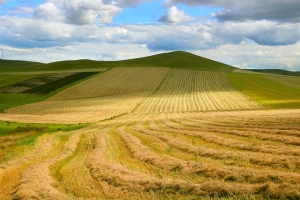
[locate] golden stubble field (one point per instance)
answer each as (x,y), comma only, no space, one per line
(180,135)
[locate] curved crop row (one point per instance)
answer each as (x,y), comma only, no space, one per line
(159,156)
(75,111)
(117,81)
(185,90)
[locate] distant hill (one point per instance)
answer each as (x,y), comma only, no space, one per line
(177,59)
(276,71)
(16,65)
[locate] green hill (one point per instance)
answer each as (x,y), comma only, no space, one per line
(18,65)
(277,71)
(177,59)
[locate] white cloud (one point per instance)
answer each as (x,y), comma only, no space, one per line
(89,11)
(125,3)
(12,49)
(2,1)
(49,12)
(78,12)
(245,56)
(175,16)
(193,36)
(234,10)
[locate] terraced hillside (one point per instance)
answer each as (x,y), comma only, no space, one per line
(157,132)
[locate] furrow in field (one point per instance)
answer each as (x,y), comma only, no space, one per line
(118,81)
(257,134)
(227,172)
(184,90)
(119,182)
(227,156)
(233,142)
(74,111)
(266,122)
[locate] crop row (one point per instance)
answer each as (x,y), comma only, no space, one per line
(195,91)
(117,81)
(78,110)
(159,156)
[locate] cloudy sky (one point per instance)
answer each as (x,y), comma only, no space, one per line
(245,34)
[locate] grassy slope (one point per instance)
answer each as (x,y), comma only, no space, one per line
(276,71)
(175,59)
(13,100)
(265,91)
(179,59)
(8,79)
(17,65)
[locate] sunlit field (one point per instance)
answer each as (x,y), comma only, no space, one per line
(151,132)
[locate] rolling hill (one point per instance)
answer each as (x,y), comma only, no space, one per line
(177,59)
(168,126)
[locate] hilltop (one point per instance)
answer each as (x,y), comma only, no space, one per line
(177,59)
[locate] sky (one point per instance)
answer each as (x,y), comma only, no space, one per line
(245,34)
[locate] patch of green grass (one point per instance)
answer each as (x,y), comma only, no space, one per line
(13,100)
(16,128)
(265,91)
(54,85)
(8,79)
(21,137)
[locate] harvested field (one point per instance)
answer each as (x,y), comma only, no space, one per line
(157,133)
(169,155)
(74,111)
(116,82)
(185,90)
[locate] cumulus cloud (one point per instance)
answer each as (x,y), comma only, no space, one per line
(49,12)
(86,12)
(78,12)
(175,16)
(37,33)
(125,3)
(275,10)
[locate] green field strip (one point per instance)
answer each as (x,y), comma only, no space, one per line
(265,91)
(102,69)
(13,100)
(54,85)
(9,79)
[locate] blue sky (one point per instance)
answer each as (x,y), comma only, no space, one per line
(245,34)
